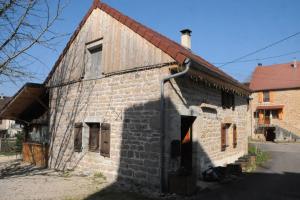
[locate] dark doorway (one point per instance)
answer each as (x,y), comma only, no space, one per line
(186,142)
(270,134)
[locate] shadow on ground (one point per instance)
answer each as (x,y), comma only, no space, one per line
(16,168)
(258,186)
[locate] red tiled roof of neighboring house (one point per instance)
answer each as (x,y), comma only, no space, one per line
(275,77)
(173,49)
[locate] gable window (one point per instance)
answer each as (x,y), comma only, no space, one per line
(266,96)
(94,136)
(78,137)
(93,68)
(227,100)
(105,140)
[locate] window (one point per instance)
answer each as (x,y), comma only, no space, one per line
(275,114)
(94,60)
(78,137)
(234,136)
(255,114)
(105,140)
(227,100)
(266,95)
(94,137)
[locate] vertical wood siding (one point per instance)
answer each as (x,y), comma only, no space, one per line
(122,49)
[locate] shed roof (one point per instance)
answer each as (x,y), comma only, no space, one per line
(275,77)
(25,97)
(173,49)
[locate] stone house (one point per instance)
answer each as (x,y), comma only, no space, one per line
(275,107)
(138,107)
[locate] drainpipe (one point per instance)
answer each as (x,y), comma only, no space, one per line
(187,64)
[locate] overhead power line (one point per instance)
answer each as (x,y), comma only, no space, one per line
(260,59)
(261,49)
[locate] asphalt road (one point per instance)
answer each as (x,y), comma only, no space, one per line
(277,179)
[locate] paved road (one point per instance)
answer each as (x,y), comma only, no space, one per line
(278,179)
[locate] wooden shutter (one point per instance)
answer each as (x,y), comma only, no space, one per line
(271,94)
(94,137)
(260,97)
(234,136)
(261,117)
(280,114)
(223,137)
(105,140)
(78,137)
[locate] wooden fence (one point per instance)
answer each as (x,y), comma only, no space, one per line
(36,154)
(8,145)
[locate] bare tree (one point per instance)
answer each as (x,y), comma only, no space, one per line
(23,25)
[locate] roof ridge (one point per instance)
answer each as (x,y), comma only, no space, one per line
(170,47)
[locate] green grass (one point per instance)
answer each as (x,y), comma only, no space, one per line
(7,153)
(261,156)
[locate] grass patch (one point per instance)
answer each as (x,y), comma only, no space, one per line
(261,156)
(7,153)
(99,178)
(99,175)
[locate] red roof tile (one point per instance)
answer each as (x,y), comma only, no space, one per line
(173,49)
(274,77)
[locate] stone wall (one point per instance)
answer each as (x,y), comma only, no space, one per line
(130,103)
(195,99)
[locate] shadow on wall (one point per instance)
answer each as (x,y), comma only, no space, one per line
(138,158)
(65,87)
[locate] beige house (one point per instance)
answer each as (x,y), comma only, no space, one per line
(127,101)
(275,106)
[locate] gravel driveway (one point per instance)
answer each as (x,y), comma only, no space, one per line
(20,181)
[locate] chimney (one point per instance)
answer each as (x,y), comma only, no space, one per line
(259,64)
(295,63)
(186,38)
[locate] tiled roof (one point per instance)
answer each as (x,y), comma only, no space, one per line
(173,49)
(274,77)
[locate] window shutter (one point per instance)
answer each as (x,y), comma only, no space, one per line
(78,137)
(94,137)
(280,114)
(260,97)
(223,137)
(234,136)
(105,140)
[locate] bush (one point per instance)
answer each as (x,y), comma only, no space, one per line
(261,156)
(19,142)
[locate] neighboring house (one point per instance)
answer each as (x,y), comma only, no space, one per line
(8,128)
(275,106)
(29,106)
(114,107)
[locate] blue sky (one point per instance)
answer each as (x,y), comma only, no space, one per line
(222,30)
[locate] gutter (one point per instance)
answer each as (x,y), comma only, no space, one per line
(187,64)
